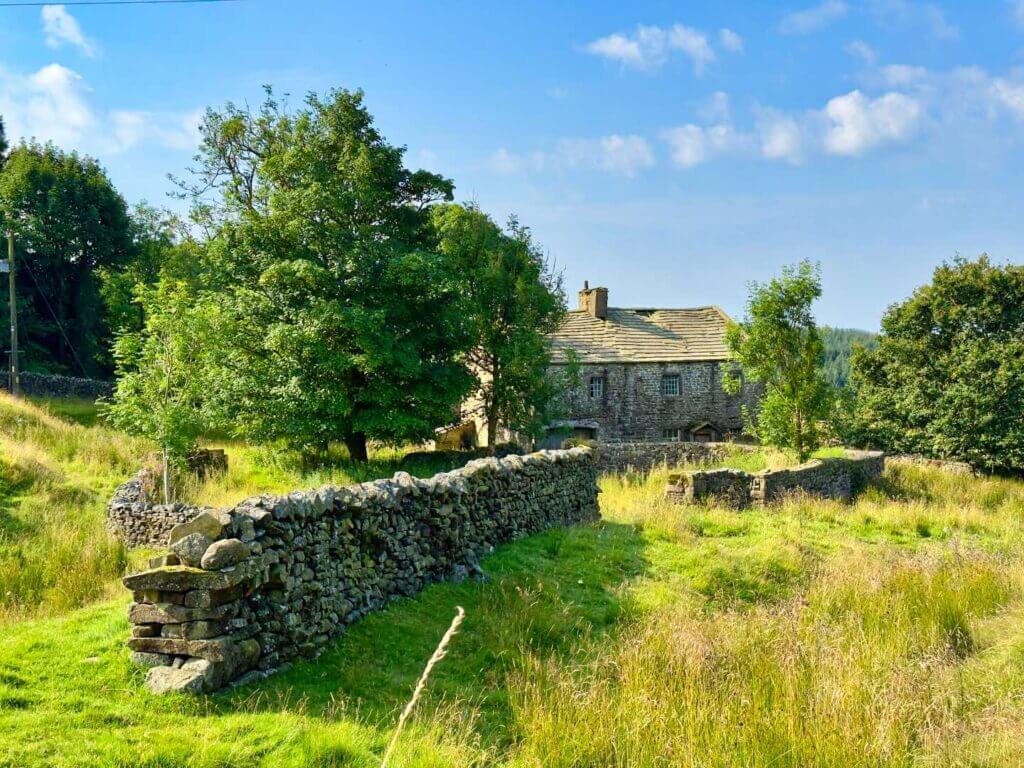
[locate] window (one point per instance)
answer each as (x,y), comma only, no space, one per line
(670,384)
(596,386)
(671,435)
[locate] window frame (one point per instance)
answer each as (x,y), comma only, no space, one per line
(599,381)
(672,435)
(673,377)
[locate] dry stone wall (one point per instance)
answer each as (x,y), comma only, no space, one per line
(54,385)
(137,521)
(645,456)
(245,590)
(832,478)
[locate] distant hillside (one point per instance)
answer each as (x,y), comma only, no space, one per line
(839,344)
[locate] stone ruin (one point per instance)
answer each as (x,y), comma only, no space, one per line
(831,478)
(137,519)
(244,591)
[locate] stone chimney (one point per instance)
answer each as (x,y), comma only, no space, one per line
(594,301)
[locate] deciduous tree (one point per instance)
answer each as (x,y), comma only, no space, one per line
(947,378)
(779,345)
(337,321)
(162,373)
(513,301)
(69,222)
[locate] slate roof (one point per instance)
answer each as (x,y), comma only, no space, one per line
(643,336)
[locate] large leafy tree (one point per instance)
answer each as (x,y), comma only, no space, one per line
(336,320)
(3,142)
(69,223)
(947,378)
(779,345)
(513,301)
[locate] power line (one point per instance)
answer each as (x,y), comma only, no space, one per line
(29,4)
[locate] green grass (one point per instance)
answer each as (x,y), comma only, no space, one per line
(887,632)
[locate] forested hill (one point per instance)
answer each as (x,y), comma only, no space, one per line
(839,343)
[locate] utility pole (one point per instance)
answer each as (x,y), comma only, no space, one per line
(15,382)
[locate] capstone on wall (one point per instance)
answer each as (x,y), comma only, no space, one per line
(245,590)
(632,406)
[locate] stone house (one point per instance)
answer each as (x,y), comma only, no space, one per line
(648,374)
(645,375)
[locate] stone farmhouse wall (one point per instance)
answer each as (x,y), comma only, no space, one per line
(52,385)
(247,589)
(633,408)
(645,456)
(832,478)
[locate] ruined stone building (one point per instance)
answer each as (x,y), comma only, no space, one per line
(645,375)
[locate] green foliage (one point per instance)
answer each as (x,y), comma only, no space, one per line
(512,302)
(3,143)
(69,222)
(333,319)
(161,373)
(947,378)
(779,345)
(161,247)
(840,344)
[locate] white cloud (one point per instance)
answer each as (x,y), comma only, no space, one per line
(813,18)
(48,105)
(732,41)
(692,144)
(1010,95)
(903,75)
(781,136)
(858,123)
(53,104)
(626,155)
(61,27)
(927,15)
(862,50)
(169,129)
(716,109)
(649,47)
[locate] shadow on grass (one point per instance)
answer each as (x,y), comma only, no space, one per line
(541,595)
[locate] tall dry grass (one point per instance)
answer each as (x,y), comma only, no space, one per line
(861,669)
(55,478)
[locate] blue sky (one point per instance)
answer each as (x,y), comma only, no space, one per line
(670,151)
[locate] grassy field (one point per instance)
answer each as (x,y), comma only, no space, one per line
(888,632)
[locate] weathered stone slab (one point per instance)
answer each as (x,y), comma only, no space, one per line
(181,578)
(212,649)
(171,613)
(196,630)
(188,678)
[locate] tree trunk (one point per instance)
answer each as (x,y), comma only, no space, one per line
(167,478)
(356,444)
(492,430)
